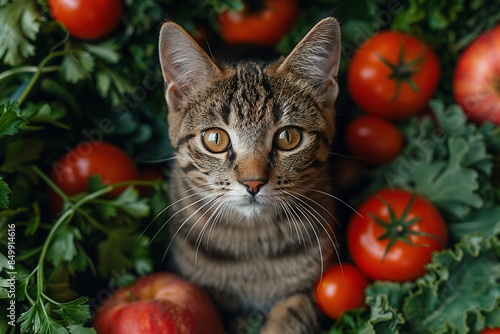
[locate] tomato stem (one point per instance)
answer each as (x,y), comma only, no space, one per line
(398,228)
(402,71)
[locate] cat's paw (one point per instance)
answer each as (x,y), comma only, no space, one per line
(296,314)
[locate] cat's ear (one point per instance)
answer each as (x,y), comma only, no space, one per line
(186,67)
(316,58)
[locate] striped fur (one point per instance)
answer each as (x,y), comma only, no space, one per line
(258,252)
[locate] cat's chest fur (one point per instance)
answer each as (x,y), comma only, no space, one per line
(252,209)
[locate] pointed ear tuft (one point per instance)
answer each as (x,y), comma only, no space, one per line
(186,67)
(316,58)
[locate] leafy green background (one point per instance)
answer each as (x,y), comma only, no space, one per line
(57,91)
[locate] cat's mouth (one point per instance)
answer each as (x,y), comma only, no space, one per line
(250,205)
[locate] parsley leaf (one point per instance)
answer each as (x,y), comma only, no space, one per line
(77,65)
(75,311)
(20,25)
(64,247)
(4,195)
(107,50)
(20,152)
(130,202)
(10,119)
(79,329)
(114,252)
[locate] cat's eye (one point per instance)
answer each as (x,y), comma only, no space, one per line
(287,138)
(215,140)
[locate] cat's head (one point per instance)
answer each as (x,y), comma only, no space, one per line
(252,133)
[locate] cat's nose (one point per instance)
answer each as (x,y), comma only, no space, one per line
(253,185)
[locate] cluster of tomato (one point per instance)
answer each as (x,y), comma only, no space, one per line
(394,232)
(94,19)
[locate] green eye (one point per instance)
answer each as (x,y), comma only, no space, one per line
(215,140)
(287,138)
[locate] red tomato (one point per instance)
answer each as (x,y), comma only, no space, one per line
(263,26)
(491,331)
(393,75)
(341,288)
(87,19)
(374,140)
(395,235)
(476,82)
(72,171)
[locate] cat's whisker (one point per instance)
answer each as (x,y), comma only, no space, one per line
(161,213)
(216,220)
(300,223)
(335,198)
(201,217)
(199,239)
(315,214)
(156,161)
(193,189)
(194,213)
(170,205)
(333,242)
(291,218)
(179,200)
(300,207)
(182,224)
(321,207)
(315,179)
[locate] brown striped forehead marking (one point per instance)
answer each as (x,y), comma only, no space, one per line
(252,99)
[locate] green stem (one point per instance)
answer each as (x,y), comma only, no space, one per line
(39,268)
(26,69)
(26,293)
(37,74)
(68,214)
(93,222)
(51,184)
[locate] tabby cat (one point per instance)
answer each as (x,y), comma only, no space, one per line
(252,206)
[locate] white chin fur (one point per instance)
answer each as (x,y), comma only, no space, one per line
(250,208)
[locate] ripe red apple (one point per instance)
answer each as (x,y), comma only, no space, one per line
(158,303)
(476,82)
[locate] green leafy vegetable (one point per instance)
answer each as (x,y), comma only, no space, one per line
(10,119)
(462,283)
(4,194)
(20,26)
(459,294)
(448,163)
